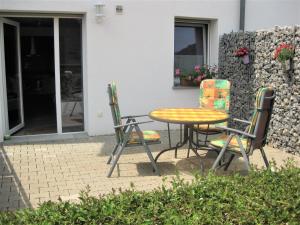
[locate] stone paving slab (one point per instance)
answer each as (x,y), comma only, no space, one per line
(36,172)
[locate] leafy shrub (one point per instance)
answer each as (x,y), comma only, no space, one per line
(262,197)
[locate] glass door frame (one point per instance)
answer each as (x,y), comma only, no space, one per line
(58,75)
(55,18)
(4,105)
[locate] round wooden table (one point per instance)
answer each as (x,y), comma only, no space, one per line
(187,117)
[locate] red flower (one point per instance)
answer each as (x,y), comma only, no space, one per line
(241,52)
(197,68)
(280,47)
(177,72)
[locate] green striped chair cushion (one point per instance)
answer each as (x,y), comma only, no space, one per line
(233,145)
(148,135)
(116,111)
(211,127)
(219,142)
(116,103)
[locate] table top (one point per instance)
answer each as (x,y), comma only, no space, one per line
(189,115)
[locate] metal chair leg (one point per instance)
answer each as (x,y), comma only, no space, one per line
(222,152)
(246,159)
(150,156)
(115,160)
(147,149)
(112,154)
(119,152)
(217,161)
(264,157)
(229,162)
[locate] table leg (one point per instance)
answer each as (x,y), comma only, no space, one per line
(190,141)
(203,145)
(185,138)
(178,145)
(206,135)
(194,149)
(169,135)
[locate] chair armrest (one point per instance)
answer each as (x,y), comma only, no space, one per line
(237,131)
(132,116)
(242,121)
(135,123)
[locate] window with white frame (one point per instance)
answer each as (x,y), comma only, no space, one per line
(190,51)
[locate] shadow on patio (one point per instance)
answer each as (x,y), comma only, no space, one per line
(37,172)
(13,191)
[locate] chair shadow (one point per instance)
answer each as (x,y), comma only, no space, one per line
(165,168)
(143,169)
(182,165)
(207,160)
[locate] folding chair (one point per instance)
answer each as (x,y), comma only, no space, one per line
(125,136)
(243,143)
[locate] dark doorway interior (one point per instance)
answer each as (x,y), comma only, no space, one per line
(38,79)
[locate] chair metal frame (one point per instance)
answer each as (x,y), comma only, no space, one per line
(126,130)
(238,134)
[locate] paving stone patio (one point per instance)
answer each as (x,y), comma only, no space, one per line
(36,172)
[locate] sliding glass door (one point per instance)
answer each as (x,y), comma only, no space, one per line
(70,52)
(66,61)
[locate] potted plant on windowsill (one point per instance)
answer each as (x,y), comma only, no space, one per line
(194,78)
(244,54)
(284,53)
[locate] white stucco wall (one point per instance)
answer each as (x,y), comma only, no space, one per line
(136,49)
(262,14)
(138,53)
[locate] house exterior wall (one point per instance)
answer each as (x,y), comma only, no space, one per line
(263,14)
(136,49)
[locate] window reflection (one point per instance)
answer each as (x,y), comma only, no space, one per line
(71,75)
(189,52)
(188,47)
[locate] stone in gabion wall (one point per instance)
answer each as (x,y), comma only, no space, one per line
(237,73)
(263,70)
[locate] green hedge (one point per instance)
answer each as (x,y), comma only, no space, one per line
(262,197)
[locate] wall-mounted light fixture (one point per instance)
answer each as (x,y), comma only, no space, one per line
(119,9)
(99,6)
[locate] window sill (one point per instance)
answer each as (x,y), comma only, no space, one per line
(184,87)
